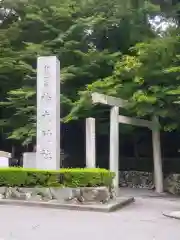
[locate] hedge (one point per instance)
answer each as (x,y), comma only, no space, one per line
(75,177)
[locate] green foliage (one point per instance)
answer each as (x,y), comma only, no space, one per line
(149,79)
(21,177)
(87,36)
(105,46)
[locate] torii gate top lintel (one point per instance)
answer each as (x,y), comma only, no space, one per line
(121,103)
(108,100)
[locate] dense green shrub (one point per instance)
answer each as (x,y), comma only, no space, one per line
(75,177)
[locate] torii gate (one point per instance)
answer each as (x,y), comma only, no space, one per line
(115,119)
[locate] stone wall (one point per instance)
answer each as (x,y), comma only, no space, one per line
(81,195)
(138,179)
(172,184)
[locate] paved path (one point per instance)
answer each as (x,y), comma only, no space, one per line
(143,220)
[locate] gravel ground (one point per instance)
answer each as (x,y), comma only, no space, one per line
(142,220)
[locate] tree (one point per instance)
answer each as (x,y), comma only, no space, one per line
(149,79)
(89,37)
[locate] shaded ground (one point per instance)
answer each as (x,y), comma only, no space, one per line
(142,220)
(139,192)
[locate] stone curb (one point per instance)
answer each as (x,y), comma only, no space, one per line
(175,215)
(120,202)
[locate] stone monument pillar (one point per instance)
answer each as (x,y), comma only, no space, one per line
(48,113)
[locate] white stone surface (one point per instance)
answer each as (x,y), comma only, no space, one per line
(48,113)
(90,143)
(4,162)
(174,214)
(29,160)
(114,144)
(5,154)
